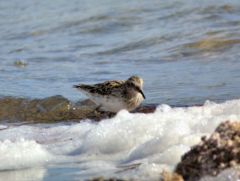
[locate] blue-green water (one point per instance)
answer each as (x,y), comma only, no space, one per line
(187,52)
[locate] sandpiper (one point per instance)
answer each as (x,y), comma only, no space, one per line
(115,95)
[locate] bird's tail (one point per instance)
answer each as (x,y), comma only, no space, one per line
(76,86)
(83,87)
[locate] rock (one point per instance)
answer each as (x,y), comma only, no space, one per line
(231,174)
(41,110)
(150,108)
(20,63)
(213,44)
(168,176)
(104,179)
(214,154)
(53,109)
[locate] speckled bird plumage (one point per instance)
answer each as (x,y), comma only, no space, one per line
(115,95)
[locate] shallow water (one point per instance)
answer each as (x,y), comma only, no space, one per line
(186,52)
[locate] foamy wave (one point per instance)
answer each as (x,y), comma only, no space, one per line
(146,143)
(21,154)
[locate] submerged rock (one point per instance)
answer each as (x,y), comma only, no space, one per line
(213,44)
(104,179)
(165,176)
(20,63)
(53,109)
(214,154)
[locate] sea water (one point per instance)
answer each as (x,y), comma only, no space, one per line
(186,52)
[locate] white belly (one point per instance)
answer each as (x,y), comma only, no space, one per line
(111,104)
(114,104)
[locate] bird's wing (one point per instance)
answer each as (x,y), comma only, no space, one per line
(108,87)
(104,88)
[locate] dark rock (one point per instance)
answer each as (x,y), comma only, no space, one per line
(214,154)
(53,109)
(104,179)
(150,108)
(43,110)
(230,174)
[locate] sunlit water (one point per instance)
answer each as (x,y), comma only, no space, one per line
(186,51)
(172,45)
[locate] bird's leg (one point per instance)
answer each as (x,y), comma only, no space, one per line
(104,114)
(111,114)
(99,112)
(98,108)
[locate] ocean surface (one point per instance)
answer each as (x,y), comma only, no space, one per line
(187,52)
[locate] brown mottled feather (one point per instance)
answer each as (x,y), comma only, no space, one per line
(104,88)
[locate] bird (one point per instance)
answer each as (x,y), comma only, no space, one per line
(115,95)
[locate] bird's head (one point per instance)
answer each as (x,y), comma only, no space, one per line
(137,82)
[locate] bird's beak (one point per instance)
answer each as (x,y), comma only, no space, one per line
(142,93)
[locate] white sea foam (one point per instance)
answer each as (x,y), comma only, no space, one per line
(128,145)
(32,174)
(21,154)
